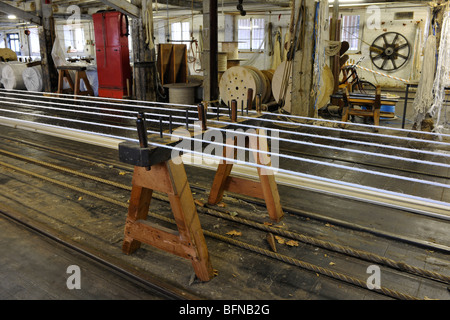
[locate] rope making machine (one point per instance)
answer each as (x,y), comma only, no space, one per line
(147,136)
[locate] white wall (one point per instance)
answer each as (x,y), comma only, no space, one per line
(407,28)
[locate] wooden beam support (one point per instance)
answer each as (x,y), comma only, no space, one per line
(124,6)
(210,48)
(47,36)
(144,69)
(23,15)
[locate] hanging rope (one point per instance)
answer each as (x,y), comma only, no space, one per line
(332,48)
(438,110)
(424,95)
(147,20)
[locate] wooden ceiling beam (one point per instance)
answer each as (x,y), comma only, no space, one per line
(123,6)
(20,14)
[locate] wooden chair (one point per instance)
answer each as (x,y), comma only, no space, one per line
(372,107)
(80,74)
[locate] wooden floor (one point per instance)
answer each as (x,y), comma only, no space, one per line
(33,268)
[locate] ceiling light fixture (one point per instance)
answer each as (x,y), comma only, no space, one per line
(12,17)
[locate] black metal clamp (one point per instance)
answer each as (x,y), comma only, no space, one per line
(141,155)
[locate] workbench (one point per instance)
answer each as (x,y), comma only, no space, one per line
(366,99)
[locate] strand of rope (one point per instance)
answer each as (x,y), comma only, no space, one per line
(254,150)
(195,119)
(382,74)
(297,123)
(147,20)
(116,111)
(330,246)
(439,109)
(266,152)
(424,95)
(332,48)
(277,122)
(154,116)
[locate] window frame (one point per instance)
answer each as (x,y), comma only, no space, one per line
(74,30)
(252,39)
(9,39)
(358,36)
(187,41)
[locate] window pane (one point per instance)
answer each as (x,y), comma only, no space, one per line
(258,34)
(350,31)
(14,43)
(181,31)
(176,31)
(244,31)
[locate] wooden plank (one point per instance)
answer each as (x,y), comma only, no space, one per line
(246,187)
(267,179)
(186,217)
(161,238)
(124,6)
(22,15)
(137,210)
(219,183)
(156,179)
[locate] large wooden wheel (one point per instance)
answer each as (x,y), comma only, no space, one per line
(390,51)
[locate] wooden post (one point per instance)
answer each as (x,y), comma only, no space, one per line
(189,241)
(233,110)
(377,108)
(144,61)
(47,37)
(210,49)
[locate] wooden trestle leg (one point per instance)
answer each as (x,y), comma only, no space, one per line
(189,241)
(265,189)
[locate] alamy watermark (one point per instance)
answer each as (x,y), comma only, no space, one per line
(374,280)
(238,146)
(74,280)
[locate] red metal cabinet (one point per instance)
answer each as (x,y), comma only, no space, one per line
(112,52)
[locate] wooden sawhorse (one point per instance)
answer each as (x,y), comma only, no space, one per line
(265,189)
(80,74)
(155,171)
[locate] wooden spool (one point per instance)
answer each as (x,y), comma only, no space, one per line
(268,74)
(222,63)
(277,82)
(236,81)
(182,93)
(231,48)
(234,62)
(262,81)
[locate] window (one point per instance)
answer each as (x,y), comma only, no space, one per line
(180,33)
(350,31)
(14,42)
(73,38)
(251,34)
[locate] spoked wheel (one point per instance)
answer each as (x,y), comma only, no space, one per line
(390,51)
